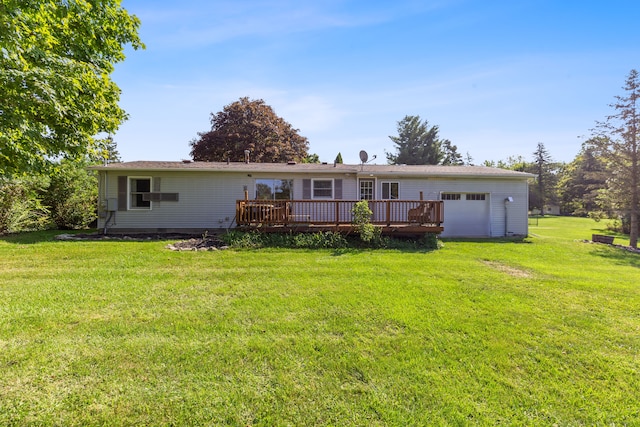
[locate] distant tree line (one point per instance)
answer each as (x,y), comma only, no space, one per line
(603,180)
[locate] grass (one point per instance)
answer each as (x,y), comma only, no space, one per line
(536,332)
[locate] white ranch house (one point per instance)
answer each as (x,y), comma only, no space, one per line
(458,201)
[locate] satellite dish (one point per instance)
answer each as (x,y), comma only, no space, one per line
(364,156)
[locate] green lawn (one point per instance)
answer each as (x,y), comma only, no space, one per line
(538,332)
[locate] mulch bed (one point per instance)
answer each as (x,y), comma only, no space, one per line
(201,244)
(186,242)
(623,247)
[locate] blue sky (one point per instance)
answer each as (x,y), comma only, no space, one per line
(497,77)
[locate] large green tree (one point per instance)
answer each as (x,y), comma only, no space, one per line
(418,143)
(582,181)
(249,125)
(56,92)
(542,189)
(619,145)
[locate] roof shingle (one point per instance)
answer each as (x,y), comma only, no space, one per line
(409,170)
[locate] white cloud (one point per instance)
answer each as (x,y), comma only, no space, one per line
(190,25)
(310,113)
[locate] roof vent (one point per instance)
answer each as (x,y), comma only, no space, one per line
(186,161)
(291,162)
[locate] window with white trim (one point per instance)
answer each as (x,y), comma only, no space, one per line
(322,189)
(138,188)
(450,196)
(390,190)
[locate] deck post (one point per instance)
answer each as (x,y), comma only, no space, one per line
(337,213)
(388,203)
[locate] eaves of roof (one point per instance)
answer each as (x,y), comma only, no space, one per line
(425,171)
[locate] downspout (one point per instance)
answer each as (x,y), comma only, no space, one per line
(507,201)
(105,203)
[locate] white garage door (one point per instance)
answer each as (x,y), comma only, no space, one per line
(466,214)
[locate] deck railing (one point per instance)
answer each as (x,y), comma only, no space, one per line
(338,212)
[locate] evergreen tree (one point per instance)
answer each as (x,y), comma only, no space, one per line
(451,155)
(619,144)
(542,161)
(418,144)
(581,182)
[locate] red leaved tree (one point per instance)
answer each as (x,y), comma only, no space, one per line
(249,125)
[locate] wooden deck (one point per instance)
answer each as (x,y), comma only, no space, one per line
(393,216)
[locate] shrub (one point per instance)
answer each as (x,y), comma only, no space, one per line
(254,239)
(72,195)
(326,240)
(20,207)
(240,239)
(368,232)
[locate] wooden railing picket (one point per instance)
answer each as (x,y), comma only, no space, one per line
(386,213)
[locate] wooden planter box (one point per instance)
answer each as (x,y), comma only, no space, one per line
(600,238)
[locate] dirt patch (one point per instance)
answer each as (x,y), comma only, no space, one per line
(507,269)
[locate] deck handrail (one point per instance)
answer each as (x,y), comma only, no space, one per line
(338,212)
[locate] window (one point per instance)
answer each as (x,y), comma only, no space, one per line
(322,189)
(390,190)
(450,196)
(139,187)
(274,189)
(476,196)
(366,189)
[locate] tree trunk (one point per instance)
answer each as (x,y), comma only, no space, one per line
(633,234)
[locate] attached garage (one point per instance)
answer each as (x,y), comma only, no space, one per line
(467,214)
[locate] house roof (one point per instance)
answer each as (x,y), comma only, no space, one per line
(432,171)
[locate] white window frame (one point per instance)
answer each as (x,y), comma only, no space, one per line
(390,187)
(130,193)
(371,181)
(313,189)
